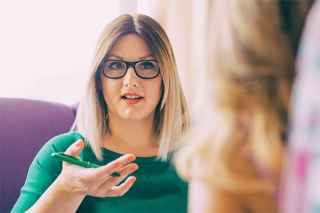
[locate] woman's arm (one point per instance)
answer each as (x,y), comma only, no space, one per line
(205,198)
(67,191)
(56,199)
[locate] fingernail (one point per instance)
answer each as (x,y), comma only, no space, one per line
(131,158)
(133,178)
(133,168)
(79,144)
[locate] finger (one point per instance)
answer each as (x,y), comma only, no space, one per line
(130,168)
(125,159)
(113,181)
(103,188)
(125,172)
(120,190)
(75,148)
(114,166)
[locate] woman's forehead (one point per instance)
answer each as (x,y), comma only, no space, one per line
(130,46)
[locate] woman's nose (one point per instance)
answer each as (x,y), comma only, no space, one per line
(130,79)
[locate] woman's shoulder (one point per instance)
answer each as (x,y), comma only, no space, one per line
(60,143)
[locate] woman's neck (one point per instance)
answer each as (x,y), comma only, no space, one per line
(132,136)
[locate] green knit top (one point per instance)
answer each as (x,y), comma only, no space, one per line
(157,188)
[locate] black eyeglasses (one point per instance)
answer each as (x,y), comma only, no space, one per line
(116,69)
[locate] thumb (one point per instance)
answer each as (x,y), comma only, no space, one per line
(75,148)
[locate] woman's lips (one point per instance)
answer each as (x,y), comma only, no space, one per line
(132,101)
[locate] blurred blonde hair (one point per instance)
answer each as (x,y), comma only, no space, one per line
(171,114)
(252,49)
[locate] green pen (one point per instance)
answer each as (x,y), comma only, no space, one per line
(86,164)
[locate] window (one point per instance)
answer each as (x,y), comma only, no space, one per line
(47,46)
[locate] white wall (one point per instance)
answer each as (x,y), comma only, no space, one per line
(46,46)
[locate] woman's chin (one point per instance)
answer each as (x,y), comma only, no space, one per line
(130,114)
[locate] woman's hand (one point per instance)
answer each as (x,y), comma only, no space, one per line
(97,182)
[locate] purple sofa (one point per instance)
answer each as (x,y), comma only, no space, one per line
(25,125)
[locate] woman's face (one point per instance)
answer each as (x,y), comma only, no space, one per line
(131,97)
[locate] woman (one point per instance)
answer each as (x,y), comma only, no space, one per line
(301,181)
(133,104)
(236,160)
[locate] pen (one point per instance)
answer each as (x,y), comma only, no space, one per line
(86,164)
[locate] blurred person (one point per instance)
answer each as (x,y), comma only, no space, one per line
(301,181)
(235,154)
(129,121)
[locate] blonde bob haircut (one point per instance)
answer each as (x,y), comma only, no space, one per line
(171,115)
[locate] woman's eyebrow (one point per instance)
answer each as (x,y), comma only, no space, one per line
(144,57)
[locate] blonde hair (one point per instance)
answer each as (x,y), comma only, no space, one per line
(171,115)
(251,73)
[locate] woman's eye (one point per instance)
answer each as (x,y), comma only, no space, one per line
(147,65)
(115,65)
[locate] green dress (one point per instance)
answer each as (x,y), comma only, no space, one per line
(157,188)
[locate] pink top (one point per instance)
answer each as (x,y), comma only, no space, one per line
(301,188)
